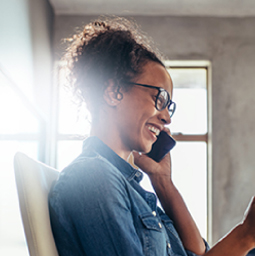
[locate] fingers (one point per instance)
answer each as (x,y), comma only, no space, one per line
(142,161)
(251,208)
(167,130)
(249,221)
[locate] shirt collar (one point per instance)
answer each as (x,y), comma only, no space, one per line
(93,143)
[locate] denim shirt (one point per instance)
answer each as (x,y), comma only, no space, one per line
(97,207)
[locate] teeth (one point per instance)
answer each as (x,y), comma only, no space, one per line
(154,130)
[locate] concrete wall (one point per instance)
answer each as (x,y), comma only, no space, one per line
(229,43)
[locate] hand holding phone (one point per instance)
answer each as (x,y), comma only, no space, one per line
(161,147)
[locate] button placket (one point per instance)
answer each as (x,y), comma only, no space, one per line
(138,174)
(168,248)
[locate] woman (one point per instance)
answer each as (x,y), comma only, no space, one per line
(97,206)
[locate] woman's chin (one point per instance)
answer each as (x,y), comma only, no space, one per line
(147,148)
(144,146)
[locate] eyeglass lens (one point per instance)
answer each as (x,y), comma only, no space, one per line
(163,100)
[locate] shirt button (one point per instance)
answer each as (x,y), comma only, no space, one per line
(169,245)
(159,224)
(154,213)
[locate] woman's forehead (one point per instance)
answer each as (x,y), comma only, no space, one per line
(156,75)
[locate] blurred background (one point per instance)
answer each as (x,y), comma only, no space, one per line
(210,54)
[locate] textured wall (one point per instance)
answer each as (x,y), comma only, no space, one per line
(229,43)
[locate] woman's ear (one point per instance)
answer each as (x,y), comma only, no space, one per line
(112,95)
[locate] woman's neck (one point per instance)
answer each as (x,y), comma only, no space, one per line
(111,138)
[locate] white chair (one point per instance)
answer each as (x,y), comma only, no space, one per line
(33,181)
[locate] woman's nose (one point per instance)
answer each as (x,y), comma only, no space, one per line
(165,116)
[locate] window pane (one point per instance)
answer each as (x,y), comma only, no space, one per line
(189,165)
(12,239)
(67,152)
(72,118)
(189,77)
(191,111)
(15,118)
(190,95)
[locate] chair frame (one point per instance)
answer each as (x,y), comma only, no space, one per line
(34,180)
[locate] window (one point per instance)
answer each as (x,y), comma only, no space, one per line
(190,127)
(22,129)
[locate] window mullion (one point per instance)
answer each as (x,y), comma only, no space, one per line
(190,137)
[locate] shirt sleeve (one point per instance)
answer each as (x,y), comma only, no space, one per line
(97,204)
(207,248)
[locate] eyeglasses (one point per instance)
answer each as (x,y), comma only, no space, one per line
(162,99)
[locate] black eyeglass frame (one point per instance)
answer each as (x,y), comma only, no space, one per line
(169,101)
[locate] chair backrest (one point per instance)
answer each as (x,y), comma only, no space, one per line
(33,181)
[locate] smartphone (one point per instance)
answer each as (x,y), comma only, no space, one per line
(161,146)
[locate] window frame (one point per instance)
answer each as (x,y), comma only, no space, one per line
(41,135)
(40,138)
(200,137)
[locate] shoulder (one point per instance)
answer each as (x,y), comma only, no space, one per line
(90,168)
(90,176)
(90,182)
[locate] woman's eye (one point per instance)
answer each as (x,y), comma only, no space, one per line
(161,100)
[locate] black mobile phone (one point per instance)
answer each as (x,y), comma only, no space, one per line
(161,146)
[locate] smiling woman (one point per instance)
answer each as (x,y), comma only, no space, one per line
(97,206)
(132,122)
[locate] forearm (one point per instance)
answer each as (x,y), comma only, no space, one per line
(235,243)
(175,208)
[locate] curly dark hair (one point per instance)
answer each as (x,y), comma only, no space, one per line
(113,48)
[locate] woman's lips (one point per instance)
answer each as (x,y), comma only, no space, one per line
(154,129)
